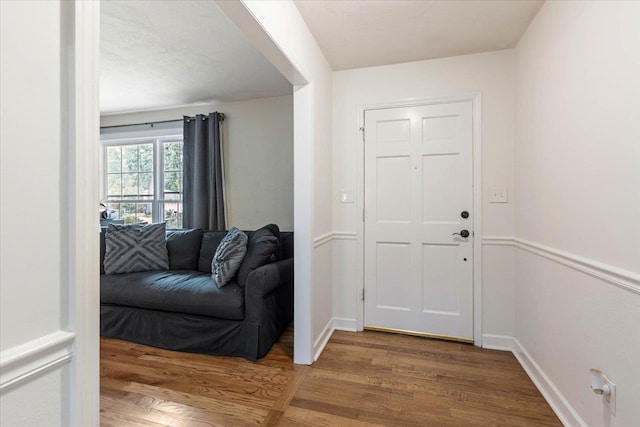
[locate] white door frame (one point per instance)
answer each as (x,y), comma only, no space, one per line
(83,136)
(476,100)
(83,123)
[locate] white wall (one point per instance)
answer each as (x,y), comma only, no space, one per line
(491,74)
(279,32)
(258,156)
(577,194)
(32,232)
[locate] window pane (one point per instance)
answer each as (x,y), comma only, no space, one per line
(146,184)
(172,182)
(130,158)
(172,213)
(143,213)
(129,185)
(113,159)
(114,184)
(114,210)
(146,157)
(173,156)
(128,213)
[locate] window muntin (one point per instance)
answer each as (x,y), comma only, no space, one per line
(143,180)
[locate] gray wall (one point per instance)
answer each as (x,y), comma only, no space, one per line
(258,154)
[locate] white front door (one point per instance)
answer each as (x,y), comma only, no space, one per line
(418,194)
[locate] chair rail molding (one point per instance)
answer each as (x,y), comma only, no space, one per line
(26,361)
(335,235)
(623,279)
(322,240)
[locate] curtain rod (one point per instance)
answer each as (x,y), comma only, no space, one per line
(220,115)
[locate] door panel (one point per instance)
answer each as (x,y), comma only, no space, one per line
(440,188)
(392,189)
(418,179)
(392,275)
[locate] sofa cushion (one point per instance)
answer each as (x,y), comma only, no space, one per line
(180,291)
(184,248)
(103,248)
(263,247)
(286,241)
(135,247)
(228,257)
(210,242)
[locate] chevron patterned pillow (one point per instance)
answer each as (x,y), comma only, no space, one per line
(228,257)
(135,247)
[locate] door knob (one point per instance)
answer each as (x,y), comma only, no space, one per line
(463,233)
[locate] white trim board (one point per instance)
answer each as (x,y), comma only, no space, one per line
(334,324)
(623,279)
(562,408)
(322,240)
(336,235)
(321,342)
(344,324)
(83,190)
(26,361)
(497,342)
(476,100)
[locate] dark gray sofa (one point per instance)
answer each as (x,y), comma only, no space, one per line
(182,309)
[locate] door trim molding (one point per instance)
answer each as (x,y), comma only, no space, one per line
(476,101)
(82,189)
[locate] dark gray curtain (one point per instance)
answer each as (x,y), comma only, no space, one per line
(203,179)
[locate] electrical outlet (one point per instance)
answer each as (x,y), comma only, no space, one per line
(610,400)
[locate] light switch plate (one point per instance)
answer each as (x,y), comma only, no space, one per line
(346,196)
(498,195)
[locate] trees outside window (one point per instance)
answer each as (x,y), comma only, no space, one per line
(143,181)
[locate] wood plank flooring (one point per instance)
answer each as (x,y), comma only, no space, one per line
(364,378)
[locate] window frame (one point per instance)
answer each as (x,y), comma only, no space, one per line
(142,134)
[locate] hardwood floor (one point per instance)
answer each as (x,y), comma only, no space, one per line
(364,378)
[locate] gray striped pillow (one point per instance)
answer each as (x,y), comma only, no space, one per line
(228,257)
(135,247)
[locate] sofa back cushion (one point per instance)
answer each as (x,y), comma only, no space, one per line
(263,247)
(184,248)
(135,247)
(210,242)
(103,248)
(286,240)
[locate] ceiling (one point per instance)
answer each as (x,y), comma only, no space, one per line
(361,33)
(157,54)
(161,54)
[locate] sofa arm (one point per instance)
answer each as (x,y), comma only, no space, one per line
(261,282)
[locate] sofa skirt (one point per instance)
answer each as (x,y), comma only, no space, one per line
(189,333)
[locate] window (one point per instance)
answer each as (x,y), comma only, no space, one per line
(143,179)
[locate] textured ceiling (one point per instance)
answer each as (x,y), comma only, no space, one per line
(355,34)
(157,54)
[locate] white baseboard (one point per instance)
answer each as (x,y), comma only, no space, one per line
(344,324)
(497,342)
(335,323)
(563,409)
(321,342)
